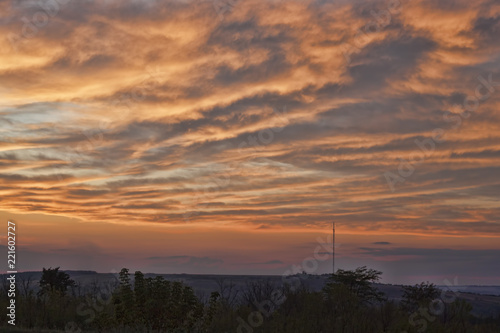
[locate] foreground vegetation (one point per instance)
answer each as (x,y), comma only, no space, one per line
(348,303)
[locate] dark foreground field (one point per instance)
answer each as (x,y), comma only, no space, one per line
(77,301)
(484,300)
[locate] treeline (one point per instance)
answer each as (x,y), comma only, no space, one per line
(348,303)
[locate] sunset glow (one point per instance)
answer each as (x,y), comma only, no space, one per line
(182,136)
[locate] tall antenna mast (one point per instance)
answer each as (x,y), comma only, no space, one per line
(333,247)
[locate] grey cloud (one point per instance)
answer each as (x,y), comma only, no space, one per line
(187,260)
(270,262)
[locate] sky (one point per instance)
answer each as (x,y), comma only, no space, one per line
(225,137)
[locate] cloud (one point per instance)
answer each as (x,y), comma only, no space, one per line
(186,260)
(161,110)
(270,262)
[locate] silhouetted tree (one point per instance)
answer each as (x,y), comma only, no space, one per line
(348,303)
(55,280)
(140,296)
(124,300)
(418,295)
(359,282)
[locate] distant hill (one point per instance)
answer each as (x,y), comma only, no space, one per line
(482,290)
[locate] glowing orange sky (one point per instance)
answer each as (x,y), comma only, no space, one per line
(226,138)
